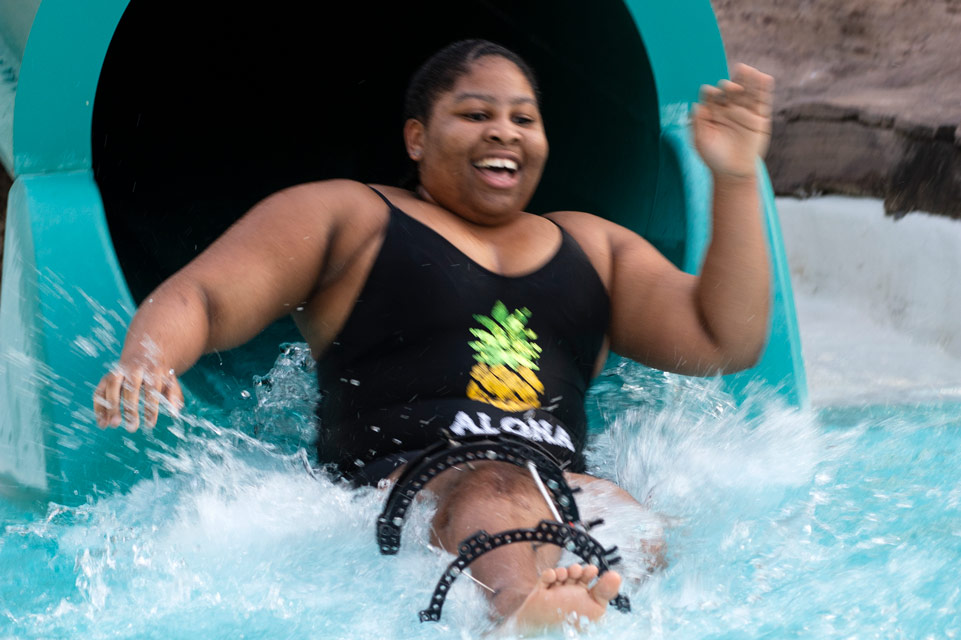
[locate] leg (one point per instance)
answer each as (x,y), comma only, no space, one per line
(527,588)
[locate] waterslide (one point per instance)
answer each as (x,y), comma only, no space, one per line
(136,132)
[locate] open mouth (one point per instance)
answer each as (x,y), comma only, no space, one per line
(498,172)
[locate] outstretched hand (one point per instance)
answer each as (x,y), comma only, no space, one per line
(732,122)
(125,384)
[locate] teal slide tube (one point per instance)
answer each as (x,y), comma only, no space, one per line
(74,74)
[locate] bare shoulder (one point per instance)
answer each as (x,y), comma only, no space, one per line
(589,229)
(340,215)
(603,241)
(317,224)
(329,199)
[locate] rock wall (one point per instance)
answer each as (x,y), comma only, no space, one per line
(868,100)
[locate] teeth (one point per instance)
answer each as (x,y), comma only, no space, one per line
(496,163)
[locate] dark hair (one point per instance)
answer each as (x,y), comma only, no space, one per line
(441,71)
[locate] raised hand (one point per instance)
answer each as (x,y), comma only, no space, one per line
(732,122)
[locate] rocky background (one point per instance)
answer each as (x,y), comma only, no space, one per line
(868,97)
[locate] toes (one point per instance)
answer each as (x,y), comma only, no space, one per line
(561,573)
(607,586)
(574,573)
(590,572)
(549,576)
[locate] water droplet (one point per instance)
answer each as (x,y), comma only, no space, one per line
(244,394)
(398,521)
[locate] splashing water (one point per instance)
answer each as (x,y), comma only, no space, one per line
(775,523)
(778,522)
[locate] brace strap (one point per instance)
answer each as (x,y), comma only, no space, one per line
(561,535)
(463,451)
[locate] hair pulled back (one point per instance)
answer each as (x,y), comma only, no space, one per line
(441,71)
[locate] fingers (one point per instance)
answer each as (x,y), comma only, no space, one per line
(161,391)
(106,400)
(130,396)
(758,88)
(750,90)
(118,396)
(732,122)
(173,394)
(732,101)
(742,118)
(152,388)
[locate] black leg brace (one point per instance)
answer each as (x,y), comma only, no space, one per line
(570,534)
(562,535)
(463,451)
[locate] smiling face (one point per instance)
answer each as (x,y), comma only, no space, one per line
(482,152)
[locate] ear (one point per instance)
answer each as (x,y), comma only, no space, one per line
(414,139)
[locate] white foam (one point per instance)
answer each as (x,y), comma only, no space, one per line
(878,300)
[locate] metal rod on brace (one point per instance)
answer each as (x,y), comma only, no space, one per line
(540,486)
(469,576)
(478,582)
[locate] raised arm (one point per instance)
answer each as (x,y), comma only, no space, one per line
(263,267)
(715,322)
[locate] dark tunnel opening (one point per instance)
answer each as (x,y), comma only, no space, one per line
(203,110)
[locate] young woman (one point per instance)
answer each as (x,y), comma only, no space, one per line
(450,308)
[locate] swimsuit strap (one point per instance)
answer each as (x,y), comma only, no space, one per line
(382,197)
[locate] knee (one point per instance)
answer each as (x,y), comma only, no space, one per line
(494,482)
(492,496)
(501,479)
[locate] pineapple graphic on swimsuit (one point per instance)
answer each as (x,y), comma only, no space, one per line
(506,356)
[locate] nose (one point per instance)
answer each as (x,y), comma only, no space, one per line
(503,131)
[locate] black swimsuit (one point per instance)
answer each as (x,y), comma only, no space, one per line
(437,342)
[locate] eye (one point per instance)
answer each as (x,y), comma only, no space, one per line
(523,120)
(475,116)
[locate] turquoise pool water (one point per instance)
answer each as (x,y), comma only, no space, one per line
(839,523)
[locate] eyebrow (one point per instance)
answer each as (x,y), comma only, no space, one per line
(486,97)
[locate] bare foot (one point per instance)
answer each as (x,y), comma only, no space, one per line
(563,594)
